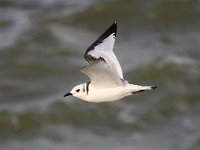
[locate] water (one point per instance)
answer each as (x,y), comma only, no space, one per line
(41,49)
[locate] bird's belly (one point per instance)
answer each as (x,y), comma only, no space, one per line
(108,94)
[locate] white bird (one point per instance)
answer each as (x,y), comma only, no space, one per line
(105,73)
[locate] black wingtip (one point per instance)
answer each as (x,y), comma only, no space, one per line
(113,28)
(115,23)
(154,87)
(110,30)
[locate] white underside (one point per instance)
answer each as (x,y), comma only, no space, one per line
(111,94)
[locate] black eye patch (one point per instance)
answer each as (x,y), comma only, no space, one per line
(77,90)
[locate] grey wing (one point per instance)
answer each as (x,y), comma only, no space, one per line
(103,48)
(101,75)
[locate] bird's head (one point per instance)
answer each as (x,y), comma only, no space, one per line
(78,91)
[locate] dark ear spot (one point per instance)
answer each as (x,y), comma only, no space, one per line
(77,90)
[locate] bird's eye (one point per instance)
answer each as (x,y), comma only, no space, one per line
(77,90)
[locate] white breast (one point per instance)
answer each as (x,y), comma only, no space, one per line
(108,94)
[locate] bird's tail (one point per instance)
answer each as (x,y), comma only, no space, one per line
(138,88)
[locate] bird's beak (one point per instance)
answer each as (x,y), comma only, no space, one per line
(68,94)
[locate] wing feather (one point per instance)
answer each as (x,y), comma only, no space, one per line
(103,48)
(107,37)
(101,74)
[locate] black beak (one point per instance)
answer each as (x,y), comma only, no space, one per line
(68,94)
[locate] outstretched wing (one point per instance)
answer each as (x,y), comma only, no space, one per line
(103,48)
(101,74)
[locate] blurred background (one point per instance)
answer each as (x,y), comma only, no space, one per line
(42,43)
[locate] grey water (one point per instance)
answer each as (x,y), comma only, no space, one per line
(42,43)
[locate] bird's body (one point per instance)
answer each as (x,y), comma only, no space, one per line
(105,73)
(93,94)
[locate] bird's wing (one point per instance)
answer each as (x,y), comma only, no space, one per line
(101,74)
(103,48)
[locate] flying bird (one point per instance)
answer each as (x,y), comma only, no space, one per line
(105,73)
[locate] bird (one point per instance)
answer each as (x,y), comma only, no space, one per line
(106,77)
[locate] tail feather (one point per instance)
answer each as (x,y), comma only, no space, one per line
(142,89)
(153,87)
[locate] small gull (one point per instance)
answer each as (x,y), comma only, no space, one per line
(105,73)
